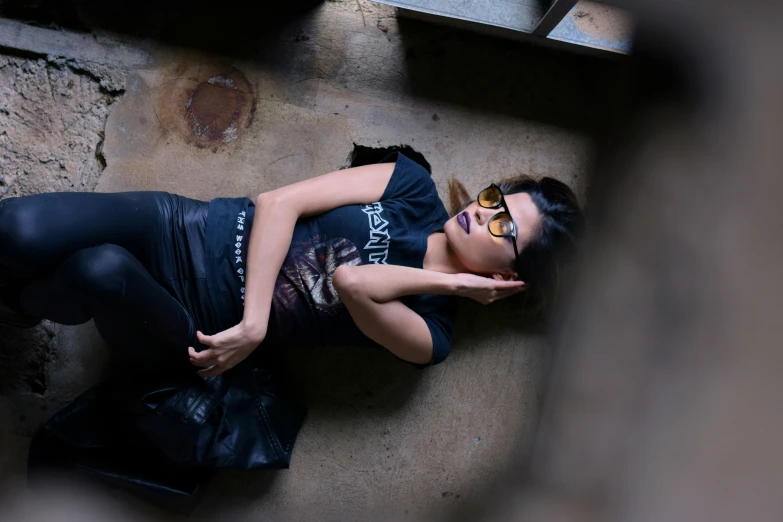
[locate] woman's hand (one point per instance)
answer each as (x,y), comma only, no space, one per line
(225,349)
(486,290)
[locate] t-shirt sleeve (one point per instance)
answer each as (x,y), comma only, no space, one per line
(409,181)
(438,314)
(441,328)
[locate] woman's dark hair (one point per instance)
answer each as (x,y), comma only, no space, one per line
(542,261)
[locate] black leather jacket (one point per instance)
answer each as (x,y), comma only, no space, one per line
(162,438)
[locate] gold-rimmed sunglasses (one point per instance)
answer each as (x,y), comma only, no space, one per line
(501,224)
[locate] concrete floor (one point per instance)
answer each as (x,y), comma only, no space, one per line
(381,438)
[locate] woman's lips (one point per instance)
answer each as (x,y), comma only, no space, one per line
(464,221)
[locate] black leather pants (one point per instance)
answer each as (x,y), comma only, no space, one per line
(133,262)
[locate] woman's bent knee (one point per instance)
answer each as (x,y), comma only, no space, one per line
(104,269)
(20,240)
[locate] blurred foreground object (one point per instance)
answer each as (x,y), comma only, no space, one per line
(665,403)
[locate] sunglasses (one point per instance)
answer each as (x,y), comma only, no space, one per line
(501,224)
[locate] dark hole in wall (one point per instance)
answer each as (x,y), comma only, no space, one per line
(37,383)
(363,155)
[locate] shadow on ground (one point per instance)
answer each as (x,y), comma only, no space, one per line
(510,78)
(455,66)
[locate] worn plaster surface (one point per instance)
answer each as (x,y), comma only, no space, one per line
(381,439)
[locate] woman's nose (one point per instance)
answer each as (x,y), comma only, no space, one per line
(484,214)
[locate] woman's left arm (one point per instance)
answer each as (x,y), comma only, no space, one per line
(270,238)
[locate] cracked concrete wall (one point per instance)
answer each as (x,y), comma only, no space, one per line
(53,113)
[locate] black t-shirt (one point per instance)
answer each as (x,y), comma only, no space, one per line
(227,236)
(306,307)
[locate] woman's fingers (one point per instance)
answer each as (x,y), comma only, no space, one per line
(211,372)
(224,351)
(204,339)
(201,364)
(204,358)
(509,288)
(503,292)
(510,284)
(199,356)
(218,368)
(213,362)
(514,290)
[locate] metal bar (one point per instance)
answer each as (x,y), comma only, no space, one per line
(517,15)
(554,16)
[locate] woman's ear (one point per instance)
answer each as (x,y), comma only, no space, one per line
(505,276)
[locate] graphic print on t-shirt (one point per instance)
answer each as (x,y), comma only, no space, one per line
(307,272)
(238,252)
(379,234)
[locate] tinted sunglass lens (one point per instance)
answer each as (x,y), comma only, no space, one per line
(501,225)
(490,197)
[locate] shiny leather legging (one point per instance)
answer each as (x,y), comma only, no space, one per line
(72,257)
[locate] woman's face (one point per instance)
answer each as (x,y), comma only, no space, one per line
(480,251)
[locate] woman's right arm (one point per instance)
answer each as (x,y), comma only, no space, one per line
(372,295)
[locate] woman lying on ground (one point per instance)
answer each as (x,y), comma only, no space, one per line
(365,255)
